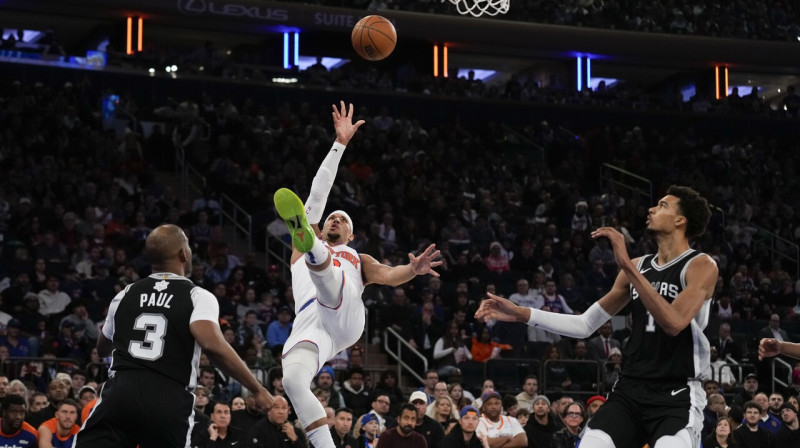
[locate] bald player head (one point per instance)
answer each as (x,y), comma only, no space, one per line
(168,250)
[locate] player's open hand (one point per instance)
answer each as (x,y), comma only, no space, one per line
(426,261)
(264,400)
(617,241)
(497,308)
(343,123)
(768,347)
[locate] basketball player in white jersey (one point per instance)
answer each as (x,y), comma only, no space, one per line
(328,278)
(659,398)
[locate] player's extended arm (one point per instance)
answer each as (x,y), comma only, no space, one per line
(574,326)
(323,180)
(773,347)
(104,346)
(209,337)
(381,274)
(45,439)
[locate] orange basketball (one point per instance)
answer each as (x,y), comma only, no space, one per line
(374,38)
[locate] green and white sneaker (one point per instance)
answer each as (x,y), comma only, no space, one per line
(293,213)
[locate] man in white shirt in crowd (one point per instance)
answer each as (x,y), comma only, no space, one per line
(500,430)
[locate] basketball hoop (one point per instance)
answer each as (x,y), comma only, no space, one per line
(478,8)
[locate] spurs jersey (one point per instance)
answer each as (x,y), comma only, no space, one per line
(342,256)
(148,323)
(652,354)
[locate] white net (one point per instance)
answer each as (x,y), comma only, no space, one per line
(478,8)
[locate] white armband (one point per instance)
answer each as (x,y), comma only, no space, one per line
(581,326)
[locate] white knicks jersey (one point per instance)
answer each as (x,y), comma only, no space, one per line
(342,257)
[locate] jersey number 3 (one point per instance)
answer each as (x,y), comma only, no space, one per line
(152,347)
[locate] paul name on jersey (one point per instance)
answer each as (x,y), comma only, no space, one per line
(155,299)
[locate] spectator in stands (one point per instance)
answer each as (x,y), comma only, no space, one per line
(387,386)
(52,301)
(789,434)
(775,403)
(450,349)
(464,434)
(425,331)
(583,374)
(774,330)
(721,372)
(555,371)
(276,430)
(16,344)
(593,404)
(405,434)
(443,411)
(542,424)
(340,431)
(748,391)
(485,347)
(714,410)
(612,370)
(325,381)
(530,389)
(355,394)
(601,345)
(430,429)
(767,421)
(722,436)
(750,433)
(56,392)
(574,416)
(725,344)
(554,301)
(278,330)
(499,429)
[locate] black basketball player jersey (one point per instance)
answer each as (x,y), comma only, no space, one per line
(149,321)
(650,352)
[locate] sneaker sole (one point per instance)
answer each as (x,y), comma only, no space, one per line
(291,210)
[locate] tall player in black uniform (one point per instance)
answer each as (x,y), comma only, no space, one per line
(154,331)
(659,399)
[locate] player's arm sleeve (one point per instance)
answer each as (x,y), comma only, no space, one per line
(205,304)
(581,326)
(439,351)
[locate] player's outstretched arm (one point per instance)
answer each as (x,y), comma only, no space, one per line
(574,326)
(326,174)
(209,337)
(769,347)
(381,274)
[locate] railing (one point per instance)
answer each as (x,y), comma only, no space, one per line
(775,380)
(780,248)
(509,373)
(274,244)
(397,355)
(241,220)
(19,366)
(191,179)
(625,180)
(513,137)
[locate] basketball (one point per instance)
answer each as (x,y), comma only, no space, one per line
(374,38)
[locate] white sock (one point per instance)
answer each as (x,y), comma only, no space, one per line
(318,254)
(321,437)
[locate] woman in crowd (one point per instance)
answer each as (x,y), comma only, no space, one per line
(722,436)
(443,410)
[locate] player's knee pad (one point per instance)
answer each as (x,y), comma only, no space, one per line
(595,438)
(299,368)
(329,283)
(683,439)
